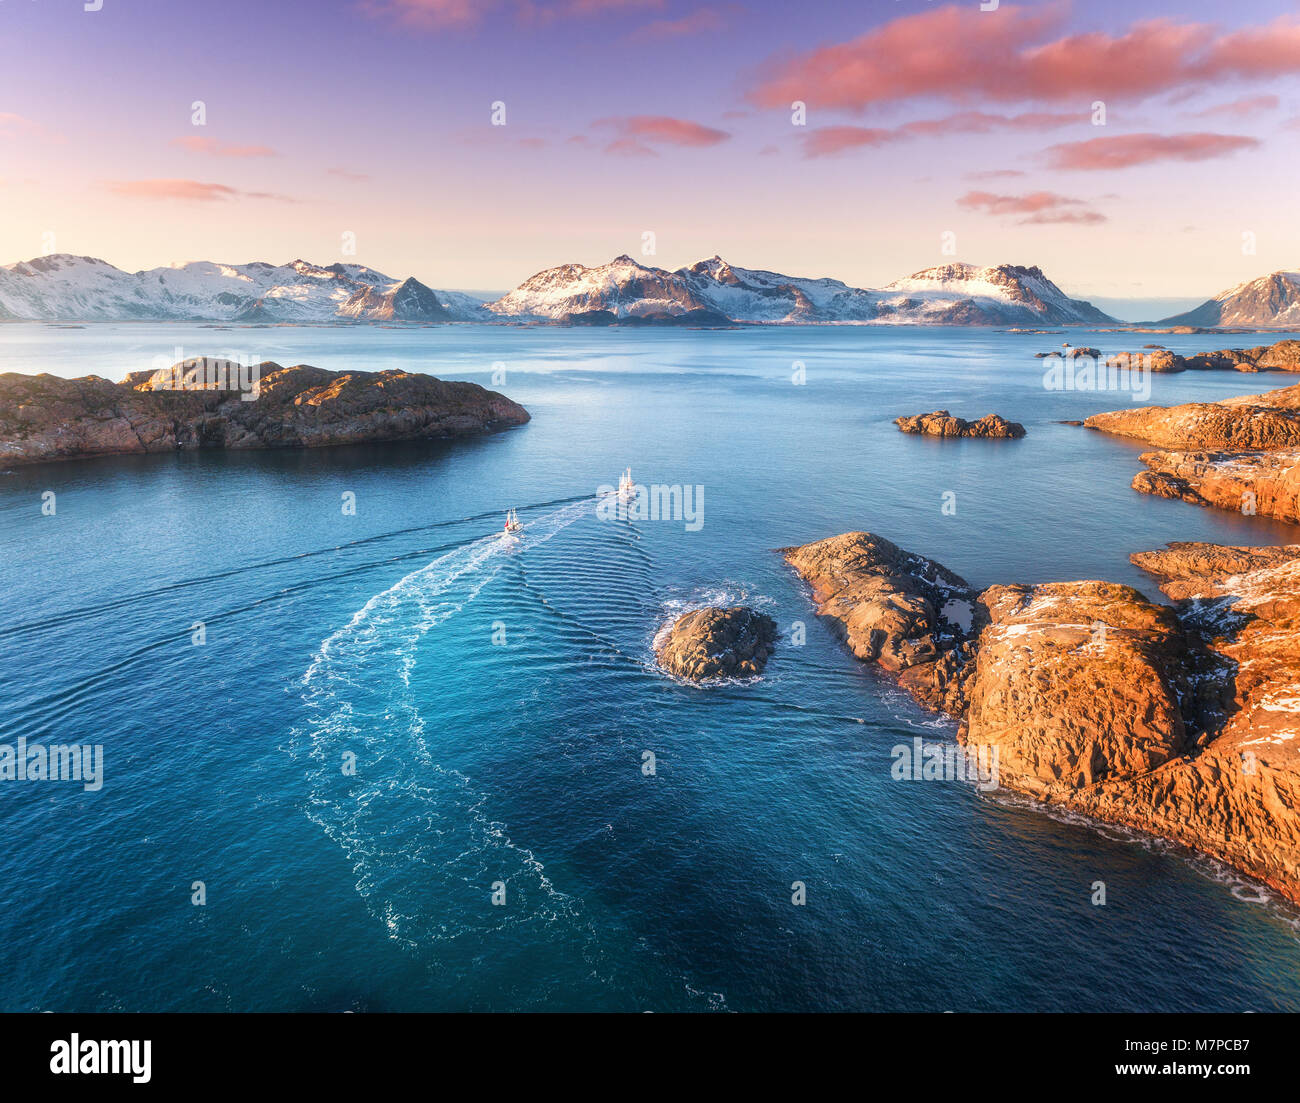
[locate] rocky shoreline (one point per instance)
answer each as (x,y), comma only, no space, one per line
(45,417)
(1283,356)
(1181,722)
(1240,454)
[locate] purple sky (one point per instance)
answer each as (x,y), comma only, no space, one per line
(628,116)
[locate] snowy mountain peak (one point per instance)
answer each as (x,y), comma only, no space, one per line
(1272,300)
(715,290)
(62,287)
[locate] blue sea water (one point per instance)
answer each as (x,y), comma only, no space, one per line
(499,696)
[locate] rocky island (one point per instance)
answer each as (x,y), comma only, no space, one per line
(1241,454)
(717,642)
(1178,721)
(45,417)
(1284,356)
(940,423)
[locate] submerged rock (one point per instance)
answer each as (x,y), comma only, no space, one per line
(940,423)
(717,642)
(44,417)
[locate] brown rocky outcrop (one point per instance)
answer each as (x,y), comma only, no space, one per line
(907,613)
(1263,483)
(44,417)
(940,423)
(1240,454)
(717,642)
(1181,722)
(1237,797)
(1071,352)
(1075,682)
(1281,356)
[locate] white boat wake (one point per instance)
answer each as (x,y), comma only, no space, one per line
(424,851)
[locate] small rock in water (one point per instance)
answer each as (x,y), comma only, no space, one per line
(718,642)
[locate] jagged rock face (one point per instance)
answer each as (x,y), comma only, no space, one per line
(940,423)
(1075,682)
(43,417)
(716,642)
(1241,454)
(1239,797)
(1250,423)
(1272,300)
(1264,483)
(1182,722)
(907,613)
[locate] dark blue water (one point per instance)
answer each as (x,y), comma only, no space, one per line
(499,697)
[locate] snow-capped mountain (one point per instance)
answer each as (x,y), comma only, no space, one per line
(62,287)
(1272,300)
(713,290)
(67,288)
(962,294)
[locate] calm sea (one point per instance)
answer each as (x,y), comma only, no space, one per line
(498,699)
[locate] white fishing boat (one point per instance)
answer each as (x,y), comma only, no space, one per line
(626,487)
(512,526)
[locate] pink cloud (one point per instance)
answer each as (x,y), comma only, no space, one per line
(836,139)
(433,15)
(197,144)
(994,174)
(827,140)
(174,188)
(1040,207)
(11,124)
(980,122)
(698,22)
(1239,108)
(664,130)
(430,14)
(1127,150)
(1010,56)
(630,147)
(348,174)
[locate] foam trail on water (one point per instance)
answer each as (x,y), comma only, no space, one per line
(424,851)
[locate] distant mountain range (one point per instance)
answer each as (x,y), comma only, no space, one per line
(714,291)
(66,288)
(1272,300)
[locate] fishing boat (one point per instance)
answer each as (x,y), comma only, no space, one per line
(626,487)
(512,525)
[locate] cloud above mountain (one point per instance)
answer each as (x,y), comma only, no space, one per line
(1019,54)
(214,148)
(1041,207)
(1127,150)
(195,190)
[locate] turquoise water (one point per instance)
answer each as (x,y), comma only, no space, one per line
(498,698)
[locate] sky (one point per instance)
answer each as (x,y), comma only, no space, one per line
(1131,150)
